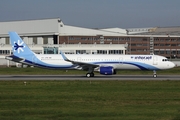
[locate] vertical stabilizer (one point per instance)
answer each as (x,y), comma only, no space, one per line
(19,48)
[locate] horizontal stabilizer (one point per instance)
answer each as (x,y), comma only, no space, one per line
(15,59)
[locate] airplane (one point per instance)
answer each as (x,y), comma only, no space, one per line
(104,64)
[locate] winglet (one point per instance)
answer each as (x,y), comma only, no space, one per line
(64,57)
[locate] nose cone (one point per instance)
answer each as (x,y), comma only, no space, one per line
(171,65)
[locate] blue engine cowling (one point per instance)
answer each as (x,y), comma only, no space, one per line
(107,70)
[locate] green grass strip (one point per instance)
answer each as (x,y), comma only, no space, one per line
(85,100)
(41,71)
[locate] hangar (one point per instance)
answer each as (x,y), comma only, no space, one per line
(49,36)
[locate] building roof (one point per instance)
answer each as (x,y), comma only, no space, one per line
(56,27)
(137,30)
(115,30)
(162,31)
(45,26)
(79,31)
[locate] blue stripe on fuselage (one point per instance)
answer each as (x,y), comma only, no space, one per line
(141,66)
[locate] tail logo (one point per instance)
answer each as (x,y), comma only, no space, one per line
(18,46)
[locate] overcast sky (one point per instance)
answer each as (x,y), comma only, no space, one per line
(96,13)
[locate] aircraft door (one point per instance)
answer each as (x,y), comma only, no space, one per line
(155,60)
(79,59)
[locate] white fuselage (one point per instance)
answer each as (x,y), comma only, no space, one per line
(144,62)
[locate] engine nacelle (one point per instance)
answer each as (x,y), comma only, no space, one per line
(107,70)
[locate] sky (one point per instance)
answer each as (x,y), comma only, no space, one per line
(96,13)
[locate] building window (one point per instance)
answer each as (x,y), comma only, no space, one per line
(173,52)
(138,44)
(173,45)
(139,50)
(76,38)
(133,49)
(4,52)
(168,45)
(83,38)
(161,44)
(156,52)
(173,39)
(50,50)
(156,39)
(115,51)
(161,52)
(80,51)
(101,51)
(71,38)
(168,52)
(133,44)
(144,39)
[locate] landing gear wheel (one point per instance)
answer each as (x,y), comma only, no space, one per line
(90,75)
(154,75)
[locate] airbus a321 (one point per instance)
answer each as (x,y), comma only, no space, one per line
(104,64)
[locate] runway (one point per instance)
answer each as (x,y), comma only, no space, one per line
(82,77)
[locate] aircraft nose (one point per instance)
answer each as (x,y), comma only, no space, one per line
(172,65)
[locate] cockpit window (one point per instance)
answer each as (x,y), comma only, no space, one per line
(164,60)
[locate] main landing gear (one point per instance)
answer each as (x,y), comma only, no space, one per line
(90,74)
(154,74)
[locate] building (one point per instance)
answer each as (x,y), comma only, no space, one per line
(49,36)
(163,41)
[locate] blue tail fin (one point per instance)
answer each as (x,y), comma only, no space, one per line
(20,49)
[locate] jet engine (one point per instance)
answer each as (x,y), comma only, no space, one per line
(107,70)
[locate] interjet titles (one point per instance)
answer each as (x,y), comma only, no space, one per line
(142,57)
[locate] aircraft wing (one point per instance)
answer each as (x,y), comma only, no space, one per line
(82,64)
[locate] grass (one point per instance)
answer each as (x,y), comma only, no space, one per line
(40,71)
(95,100)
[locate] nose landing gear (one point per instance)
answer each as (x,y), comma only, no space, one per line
(154,74)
